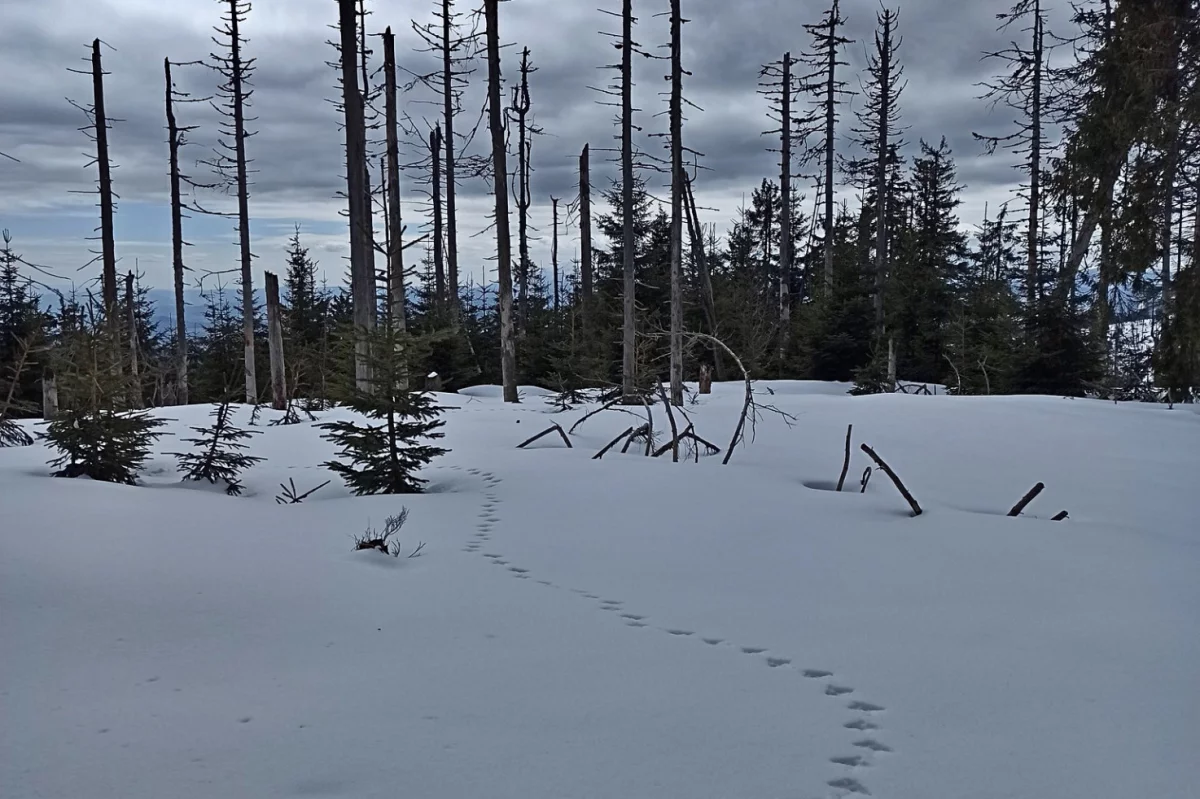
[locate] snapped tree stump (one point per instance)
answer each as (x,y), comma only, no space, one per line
(551,429)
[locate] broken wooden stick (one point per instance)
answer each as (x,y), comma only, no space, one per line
(592,413)
(673,444)
(845,463)
(611,444)
(1058,517)
(552,428)
(1030,496)
(916,509)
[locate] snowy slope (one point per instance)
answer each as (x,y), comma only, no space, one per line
(625,627)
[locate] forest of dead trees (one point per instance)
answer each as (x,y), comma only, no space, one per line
(849,262)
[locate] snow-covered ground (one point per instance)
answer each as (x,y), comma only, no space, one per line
(627,627)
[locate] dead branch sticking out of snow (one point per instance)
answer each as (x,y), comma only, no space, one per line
(289,495)
(846,462)
(384,542)
(628,432)
(552,428)
(590,414)
(643,431)
(1060,516)
(912,503)
(1030,496)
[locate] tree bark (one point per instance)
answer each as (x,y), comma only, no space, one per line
(108,247)
(439,263)
(361,277)
(708,300)
(181,346)
(677,178)
(585,223)
(279,398)
(628,241)
(508,349)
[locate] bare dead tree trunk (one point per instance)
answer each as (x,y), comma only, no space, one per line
(449,144)
(279,398)
(830,131)
(520,107)
(1035,161)
(708,300)
(174,135)
(554,249)
(361,270)
(439,264)
(395,260)
(49,395)
(585,223)
(508,348)
(785,209)
(883,125)
(628,241)
(677,179)
(135,383)
(108,246)
(237,78)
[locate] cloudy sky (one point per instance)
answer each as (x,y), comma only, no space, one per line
(297,150)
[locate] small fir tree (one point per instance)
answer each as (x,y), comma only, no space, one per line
(96,436)
(220,452)
(384,454)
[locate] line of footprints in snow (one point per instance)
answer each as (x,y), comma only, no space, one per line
(866,713)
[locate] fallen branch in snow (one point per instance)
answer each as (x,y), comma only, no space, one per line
(644,430)
(1060,516)
(611,444)
(289,495)
(916,509)
(552,428)
(1030,496)
(649,426)
(866,479)
(845,463)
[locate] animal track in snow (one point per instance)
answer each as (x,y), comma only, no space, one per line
(753,650)
(865,707)
(873,745)
(816,674)
(632,616)
(862,725)
(777,662)
(850,760)
(851,785)
(681,632)
(635,624)
(837,690)
(518,570)
(713,641)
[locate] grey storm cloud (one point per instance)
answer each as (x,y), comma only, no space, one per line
(297,150)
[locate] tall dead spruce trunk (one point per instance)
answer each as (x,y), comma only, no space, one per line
(585,223)
(824,59)
(108,246)
(279,398)
(439,263)
(449,144)
(520,109)
(554,248)
(629,391)
(785,204)
(395,226)
(508,349)
(135,383)
(677,179)
(362,279)
(236,72)
(175,141)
